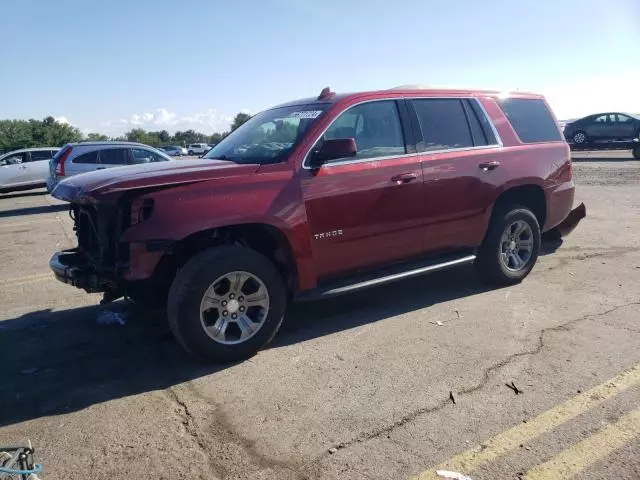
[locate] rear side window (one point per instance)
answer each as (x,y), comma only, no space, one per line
(114,156)
(41,155)
(89,157)
(141,155)
(443,123)
(531,120)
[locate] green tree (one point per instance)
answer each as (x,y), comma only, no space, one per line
(97,137)
(239,119)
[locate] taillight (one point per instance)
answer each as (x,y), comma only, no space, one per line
(60,165)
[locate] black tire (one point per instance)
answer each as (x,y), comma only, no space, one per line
(579,137)
(489,260)
(191,283)
(190,152)
(636,153)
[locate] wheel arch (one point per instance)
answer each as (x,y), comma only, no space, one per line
(528,195)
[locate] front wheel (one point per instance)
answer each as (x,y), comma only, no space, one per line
(226,303)
(579,137)
(511,246)
(191,152)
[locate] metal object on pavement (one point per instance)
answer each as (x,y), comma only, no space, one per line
(17,462)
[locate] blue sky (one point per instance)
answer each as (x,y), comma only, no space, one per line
(108,65)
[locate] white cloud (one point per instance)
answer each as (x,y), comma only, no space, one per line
(207,122)
(62,119)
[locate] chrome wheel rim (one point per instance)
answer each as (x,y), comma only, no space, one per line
(579,137)
(516,246)
(234,307)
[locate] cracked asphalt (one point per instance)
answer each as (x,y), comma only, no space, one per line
(358,387)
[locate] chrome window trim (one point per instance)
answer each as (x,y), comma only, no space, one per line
(499,143)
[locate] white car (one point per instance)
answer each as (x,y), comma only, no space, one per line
(198,148)
(25,169)
(77,158)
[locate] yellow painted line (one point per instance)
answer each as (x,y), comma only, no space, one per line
(25,224)
(575,459)
(468,461)
(14,282)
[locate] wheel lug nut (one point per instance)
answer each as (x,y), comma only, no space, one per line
(241,298)
(232,296)
(225,313)
(234,316)
(224,303)
(242,309)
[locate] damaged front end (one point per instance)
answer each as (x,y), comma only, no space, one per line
(99,260)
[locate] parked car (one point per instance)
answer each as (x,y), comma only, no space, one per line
(175,151)
(76,158)
(197,148)
(603,126)
(25,169)
(322,197)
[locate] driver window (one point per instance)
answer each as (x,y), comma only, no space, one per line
(14,159)
(601,119)
(375,126)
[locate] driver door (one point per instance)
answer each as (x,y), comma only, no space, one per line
(13,170)
(367,210)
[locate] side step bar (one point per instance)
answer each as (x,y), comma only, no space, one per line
(386,275)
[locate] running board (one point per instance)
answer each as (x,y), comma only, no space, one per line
(386,275)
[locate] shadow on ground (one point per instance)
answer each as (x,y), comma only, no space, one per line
(30,193)
(63,361)
(20,212)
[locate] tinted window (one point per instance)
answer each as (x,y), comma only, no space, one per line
(141,155)
(443,123)
(601,119)
(113,156)
(41,155)
(531,120)
(375,126)
(89,157)
(485,124)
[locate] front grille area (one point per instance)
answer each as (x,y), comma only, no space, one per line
(98,229)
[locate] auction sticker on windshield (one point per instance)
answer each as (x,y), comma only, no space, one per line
(306,114)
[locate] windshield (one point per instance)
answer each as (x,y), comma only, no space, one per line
(269,136)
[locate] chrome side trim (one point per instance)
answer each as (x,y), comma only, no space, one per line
(397,276)
(305,166)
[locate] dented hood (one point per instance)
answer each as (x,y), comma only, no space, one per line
(92,185)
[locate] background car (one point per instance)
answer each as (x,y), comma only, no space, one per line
(26,168)
(76,158)
(603,126)
(198,148)
(175,151)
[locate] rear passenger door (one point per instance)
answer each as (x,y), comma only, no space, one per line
(38,165)
(114,157)
(458,146)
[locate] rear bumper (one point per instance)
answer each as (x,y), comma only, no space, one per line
(71,267)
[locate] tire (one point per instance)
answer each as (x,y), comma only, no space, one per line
(497,267)
(190,152)
(579,137)
(636,153)
(194,324)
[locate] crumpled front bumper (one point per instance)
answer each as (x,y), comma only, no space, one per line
(71,267)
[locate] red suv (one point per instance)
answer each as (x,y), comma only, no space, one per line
(321,197)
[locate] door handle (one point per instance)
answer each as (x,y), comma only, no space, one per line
(404,178)
(22,167)
(100,168)
(489,165)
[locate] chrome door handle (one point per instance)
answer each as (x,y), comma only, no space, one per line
(489,165)
(404,178)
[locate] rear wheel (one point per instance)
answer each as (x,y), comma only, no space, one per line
(511,246)
(226,303)
(191,152)
(636,153)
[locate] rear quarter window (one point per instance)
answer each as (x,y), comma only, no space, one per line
(531,120)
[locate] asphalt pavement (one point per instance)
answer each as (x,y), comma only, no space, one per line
(537,381)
